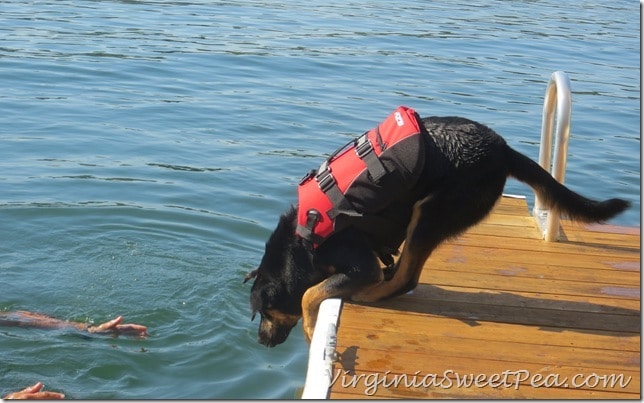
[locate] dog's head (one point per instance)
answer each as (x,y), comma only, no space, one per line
(280,282)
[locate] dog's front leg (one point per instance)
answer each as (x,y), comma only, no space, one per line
(338,285)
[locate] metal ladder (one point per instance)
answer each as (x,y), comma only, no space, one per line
(557,94)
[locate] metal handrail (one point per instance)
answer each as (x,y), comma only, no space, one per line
(557,93)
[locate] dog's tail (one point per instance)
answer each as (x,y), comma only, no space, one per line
(556,196)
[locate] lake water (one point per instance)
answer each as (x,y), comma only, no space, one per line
(148,147)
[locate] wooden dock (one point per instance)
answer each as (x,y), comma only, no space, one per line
(500,313)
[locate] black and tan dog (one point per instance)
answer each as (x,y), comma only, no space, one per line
(465,168)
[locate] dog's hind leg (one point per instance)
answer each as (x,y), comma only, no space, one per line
(419,244)
(443,214)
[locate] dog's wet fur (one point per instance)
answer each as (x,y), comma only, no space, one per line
(465,170)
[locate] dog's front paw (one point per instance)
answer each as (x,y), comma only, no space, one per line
(308,332)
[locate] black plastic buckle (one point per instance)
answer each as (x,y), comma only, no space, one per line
(363,146)
(312,217)
(325,179)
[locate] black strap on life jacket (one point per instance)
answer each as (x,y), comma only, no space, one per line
(364,149)
(306,231)
(329,186)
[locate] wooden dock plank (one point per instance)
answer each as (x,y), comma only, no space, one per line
(432,295)
(520,253)
(492,311)
(441,326)
(499,300)
(379,350)
(556,248)
(604,274)
(535,285)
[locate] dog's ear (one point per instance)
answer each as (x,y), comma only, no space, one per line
(251,275)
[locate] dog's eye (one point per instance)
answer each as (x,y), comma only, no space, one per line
(262,315)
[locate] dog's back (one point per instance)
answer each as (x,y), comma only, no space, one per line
(464,149)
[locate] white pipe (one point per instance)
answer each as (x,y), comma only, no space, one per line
(319,374)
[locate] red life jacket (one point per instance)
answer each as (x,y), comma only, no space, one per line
(362,178)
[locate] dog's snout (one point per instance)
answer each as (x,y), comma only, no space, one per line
(268,341)
(272,333)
